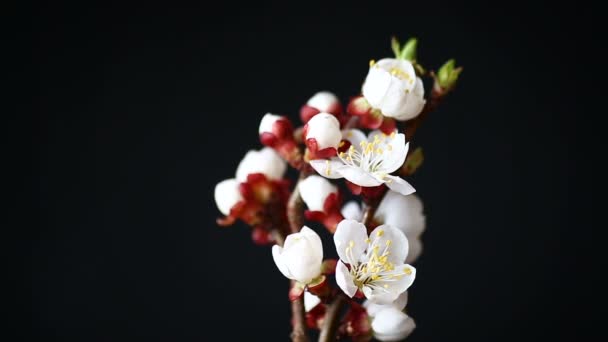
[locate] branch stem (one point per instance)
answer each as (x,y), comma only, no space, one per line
(330,324)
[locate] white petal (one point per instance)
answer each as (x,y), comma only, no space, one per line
(414,104)
(392,324)
(354,136)
(268,122)
(373,308)
(398,245)
(278,260)
(350,232)
(358,176)
(314,190)
(323,101)
(394,103)
(399,185)
(227,194)
(403,212)
(325,128)
(302,261)
(310,301)
(394,153)
(327,168)
(345,280)
(265,161)
(379,296)
(415,250)
(400,284)
(314,240)
(376,85)
(352,211)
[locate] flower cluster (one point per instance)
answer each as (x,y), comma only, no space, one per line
(357,151)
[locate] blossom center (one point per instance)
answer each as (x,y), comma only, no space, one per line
(370,155)
(374,269)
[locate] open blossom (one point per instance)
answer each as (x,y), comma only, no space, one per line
(227,195)
(403,212)
(373,265)
(368,161)
(392,324)
(322,101)
(300,257)
(265,161)
(392,88)
(315,190)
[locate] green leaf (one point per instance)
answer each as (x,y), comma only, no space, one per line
(408,51)
(395,46)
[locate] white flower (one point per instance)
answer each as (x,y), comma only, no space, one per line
(268,122)
(227,194)
(403,212)
(372,308)
(324,101)
(369,161)
(310,301)
(392,87)
(376,264)
(392,324)
(325,129)
(300,257)
(314,190)
(265,161)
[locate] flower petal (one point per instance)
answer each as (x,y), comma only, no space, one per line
(301,260)
(265,161)
(376,85)
(358,176)
(310,301)
(327,168)
(345,280)
(399,185)
(227,194)
(373,308)
(403,212)
(354,136)
(352,211)
(350,233)
(398,245)
(395,153)
(278,260)
(314,191)
(415,250)
(392,324)
(314,240)
(414,104)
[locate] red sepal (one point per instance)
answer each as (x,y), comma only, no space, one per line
(315,153)
(388,125)
(356,324)
(315,317)
(307,112)
(368,193)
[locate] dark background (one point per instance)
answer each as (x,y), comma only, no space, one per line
(141,110)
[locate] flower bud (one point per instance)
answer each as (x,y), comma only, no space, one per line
(448,74)
(322,101)
(391,324)
(323,132)
(391,87)
(267,123)
(301,256)
(314,191)
(265,161)
(227,194)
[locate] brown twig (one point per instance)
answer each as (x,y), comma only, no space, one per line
(330,323)
(295,216)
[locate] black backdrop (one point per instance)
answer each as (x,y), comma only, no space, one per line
(141,110)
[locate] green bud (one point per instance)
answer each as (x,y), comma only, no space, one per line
(408,51)
(448,74)
(413,162)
